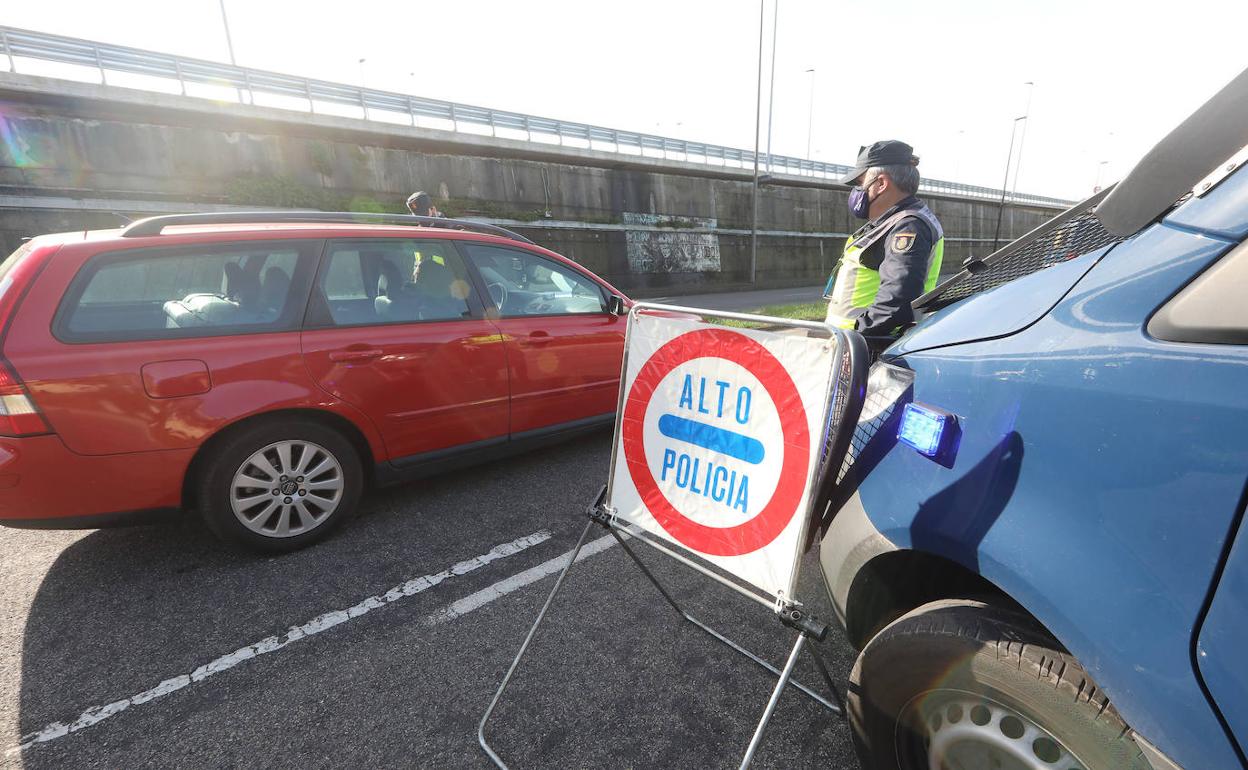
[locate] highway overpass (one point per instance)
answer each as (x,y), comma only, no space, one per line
(652,215)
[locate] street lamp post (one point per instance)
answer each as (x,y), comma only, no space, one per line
(810,113)
(411,89)
(758,120)
(1107,149)
(957,156)
(771,90)
(1031,87)
(363,103)
(229,45)
(1100,167)
(996,236)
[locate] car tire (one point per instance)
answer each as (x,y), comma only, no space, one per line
(280,486)
(959,683)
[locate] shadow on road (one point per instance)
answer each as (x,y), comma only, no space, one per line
(122,610)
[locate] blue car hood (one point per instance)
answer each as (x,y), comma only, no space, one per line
(998,312)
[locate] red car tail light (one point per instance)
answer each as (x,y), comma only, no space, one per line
(18,415)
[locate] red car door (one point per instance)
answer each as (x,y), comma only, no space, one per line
(563,347)
(396,330)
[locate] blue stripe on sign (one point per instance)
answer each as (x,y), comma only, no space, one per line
(715,439)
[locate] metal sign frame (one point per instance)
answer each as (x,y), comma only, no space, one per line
(845,359)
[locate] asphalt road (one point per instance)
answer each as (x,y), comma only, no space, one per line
(211,657)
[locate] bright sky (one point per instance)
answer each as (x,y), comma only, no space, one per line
(1111,77)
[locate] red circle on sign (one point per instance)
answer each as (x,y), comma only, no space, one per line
(753,357)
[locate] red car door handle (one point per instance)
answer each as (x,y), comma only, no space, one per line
(540,337)
(354,356)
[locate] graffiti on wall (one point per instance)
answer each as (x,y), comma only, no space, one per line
(674,250)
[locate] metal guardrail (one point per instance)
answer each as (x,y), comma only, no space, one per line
(106,57)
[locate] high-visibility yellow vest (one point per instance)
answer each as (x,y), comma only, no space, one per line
(856,284)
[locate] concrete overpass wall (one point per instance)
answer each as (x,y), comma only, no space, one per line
(73,153)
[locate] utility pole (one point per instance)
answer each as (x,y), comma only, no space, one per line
(758,120)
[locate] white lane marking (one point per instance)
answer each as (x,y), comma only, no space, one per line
(515,582)
(324,622)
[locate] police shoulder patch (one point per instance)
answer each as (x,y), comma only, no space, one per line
(903,242)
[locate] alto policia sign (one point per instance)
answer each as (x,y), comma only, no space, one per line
(719,437)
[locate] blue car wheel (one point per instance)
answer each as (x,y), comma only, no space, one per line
(961,684)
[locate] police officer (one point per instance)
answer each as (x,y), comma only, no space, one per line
(895,257)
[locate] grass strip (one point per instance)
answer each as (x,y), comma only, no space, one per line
(799,311)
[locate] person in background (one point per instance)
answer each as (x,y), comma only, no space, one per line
(420,204)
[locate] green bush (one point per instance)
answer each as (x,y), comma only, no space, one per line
(274,191)
(321,158)
(459,207)
(284,192)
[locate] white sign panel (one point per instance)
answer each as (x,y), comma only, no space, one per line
(718,441)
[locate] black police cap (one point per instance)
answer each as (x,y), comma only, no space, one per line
(888,152)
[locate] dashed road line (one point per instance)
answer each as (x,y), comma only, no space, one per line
(320,623)
(500,589)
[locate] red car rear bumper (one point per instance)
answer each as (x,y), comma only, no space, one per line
(44,484)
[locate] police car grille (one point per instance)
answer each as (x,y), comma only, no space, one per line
(1069,235)
(877,410)
(840,401)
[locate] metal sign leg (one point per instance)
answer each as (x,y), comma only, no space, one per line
(827,679)
(771,704)
(835,708)
(806,626)
(525,646)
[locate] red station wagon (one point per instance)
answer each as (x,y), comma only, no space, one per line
(264,368)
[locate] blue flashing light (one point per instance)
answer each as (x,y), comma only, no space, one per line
(924,428)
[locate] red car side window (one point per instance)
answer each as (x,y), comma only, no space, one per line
(394,280)
(521,283)
(189,291)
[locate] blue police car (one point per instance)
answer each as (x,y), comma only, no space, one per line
(1036,539)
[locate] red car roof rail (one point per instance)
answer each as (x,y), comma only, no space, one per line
(156,225)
